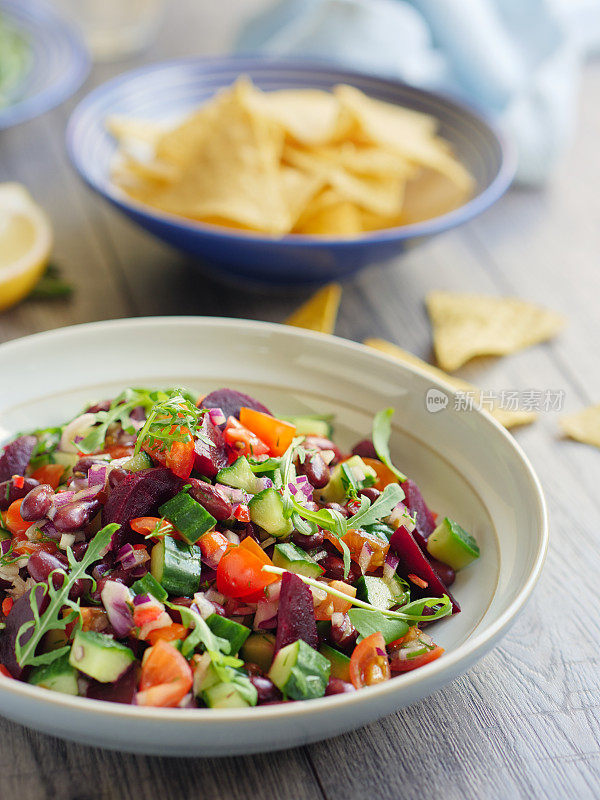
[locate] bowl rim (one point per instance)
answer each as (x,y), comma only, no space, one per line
(442,669)
(50,95)
(477,204)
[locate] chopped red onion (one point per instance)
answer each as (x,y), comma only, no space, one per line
(214,596)
(116,599)
(231,536)
(364,557)
(140,599)
(204,606)
(97,475)
(273,590)
(234,495)
(390,565)
(216,416)
(266,615)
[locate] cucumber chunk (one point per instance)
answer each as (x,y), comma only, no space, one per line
(228,629)
(138,462)
(379,593)
(294,559)
(259,649)
(187,515)
(149,585)
(266,510)
(300,672)
(99,656)
(311,426)
(59,676)
(352,471)
(340,663)
(225,695)
(453,545)
(176,566)
(240,476)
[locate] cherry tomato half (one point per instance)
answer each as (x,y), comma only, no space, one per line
(369,663)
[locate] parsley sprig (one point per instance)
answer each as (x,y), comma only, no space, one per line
(51,619)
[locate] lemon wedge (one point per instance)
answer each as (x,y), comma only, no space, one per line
(25,243)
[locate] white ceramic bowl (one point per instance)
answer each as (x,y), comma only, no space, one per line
(467,465)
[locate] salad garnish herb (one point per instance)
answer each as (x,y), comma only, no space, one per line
(442,606)
(382,430)
(51,619)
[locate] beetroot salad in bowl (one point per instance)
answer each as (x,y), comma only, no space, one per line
(166,550)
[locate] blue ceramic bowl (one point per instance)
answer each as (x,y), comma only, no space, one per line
(173,88)
(59,60)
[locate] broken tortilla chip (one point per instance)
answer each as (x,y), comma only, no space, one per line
(583,426)
(320,312)
(468,325)
(506,417)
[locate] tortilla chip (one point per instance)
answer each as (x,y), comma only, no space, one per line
(378,194)
(137,130)
(510,419)
(319,313)
(469,325)
(407,132)
(233,176)
(583,426)
(299,190)
(309,116)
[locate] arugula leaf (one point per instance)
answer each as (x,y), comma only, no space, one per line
(382,430)
(263,466)
(201,633)
(368,622)
(226,667)
(349,482)
(172,418)
(368,513)
(326,518)
(51,620)
(48,441)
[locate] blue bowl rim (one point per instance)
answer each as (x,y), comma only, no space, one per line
(475,206)
(52,95)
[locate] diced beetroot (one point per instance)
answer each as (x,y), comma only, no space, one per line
(364,449)
(296,614)
(20,613)
(415,502)
(412,561)
(121,691)
(210,449)
(230,401)
(16,457)
(138,495)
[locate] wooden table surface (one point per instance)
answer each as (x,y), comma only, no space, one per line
(525,721)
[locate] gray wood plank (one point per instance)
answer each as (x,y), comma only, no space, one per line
(38,766)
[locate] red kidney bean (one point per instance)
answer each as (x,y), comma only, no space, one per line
(210,498)
(218,609)
(79,549)
(338,686)
(370,493)
(316,470)
(334,569)
(41,564)
(337,507)
(9,491)
(364,449)
(76,515)
(249,530)
(37,502)
(104,405)
(308,542)
(265,688)
(445,571)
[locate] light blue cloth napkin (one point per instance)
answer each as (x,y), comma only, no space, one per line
(517,60)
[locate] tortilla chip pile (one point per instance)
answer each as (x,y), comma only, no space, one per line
(293,161)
